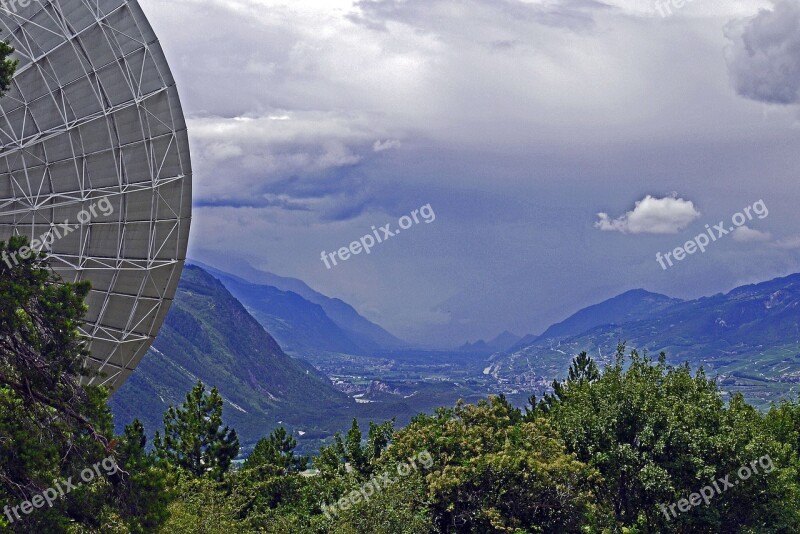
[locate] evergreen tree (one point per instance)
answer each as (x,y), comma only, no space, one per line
(7,66)
(47,418)
(141,491)
(52,426)
(583,368)
(194,439)
(360,457)
(277,451)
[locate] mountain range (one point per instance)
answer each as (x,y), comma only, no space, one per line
(254,341)
(749,337)
(502,342)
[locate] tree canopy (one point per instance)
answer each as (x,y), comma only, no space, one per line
(194,438)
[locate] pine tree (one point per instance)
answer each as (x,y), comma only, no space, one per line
(361,458)
(352,445)
(47,418)
(194,439)
(277,451)
(7,66)
(140,493)
(583,368)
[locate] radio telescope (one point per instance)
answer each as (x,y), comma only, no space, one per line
(94,160)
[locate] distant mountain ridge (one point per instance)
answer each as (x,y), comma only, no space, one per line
(349,332)
(628,306)
(749,336)
(620,309)
(501,342)
(298,325)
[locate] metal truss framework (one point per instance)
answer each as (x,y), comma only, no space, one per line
(94,116)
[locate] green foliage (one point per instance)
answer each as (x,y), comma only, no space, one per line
(270,483)
(399,509)
(276,453)
(7,66)
(583,369)
(657,434)
(203,505)
(351,455)
(142,491)
(496,472)
(51,426)
(40,345)
(194,439)
(783,422)
(599,455)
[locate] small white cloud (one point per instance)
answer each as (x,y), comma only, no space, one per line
(745,234)
(788,243)
(389,144)
(652,215)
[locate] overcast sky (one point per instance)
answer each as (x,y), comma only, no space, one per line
(562,144)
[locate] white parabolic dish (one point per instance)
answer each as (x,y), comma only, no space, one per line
(93,117)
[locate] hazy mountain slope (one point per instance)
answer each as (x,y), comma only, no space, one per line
(298,325)
(629,306)
(502,342)
(361,331)
(208,335)
(528,339)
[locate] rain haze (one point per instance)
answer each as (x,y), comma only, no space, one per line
(561,144)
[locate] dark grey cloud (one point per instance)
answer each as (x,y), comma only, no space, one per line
(298,161)
(764,59)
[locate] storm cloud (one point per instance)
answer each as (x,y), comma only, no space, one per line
(764,57)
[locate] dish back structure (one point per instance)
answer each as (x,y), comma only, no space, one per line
(93,118)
